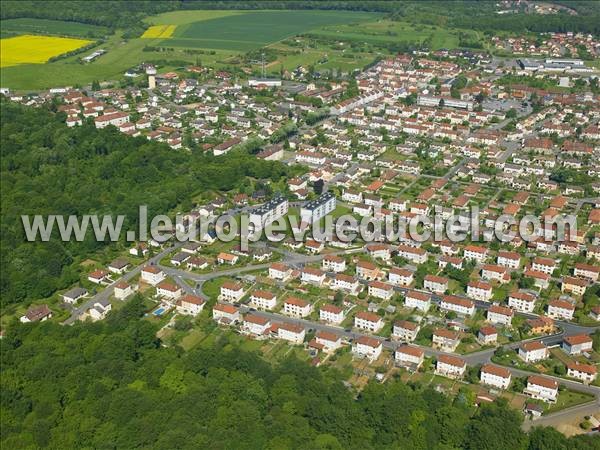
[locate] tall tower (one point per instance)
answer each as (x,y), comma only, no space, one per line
(151,72)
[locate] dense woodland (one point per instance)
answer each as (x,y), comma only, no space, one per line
(112,385)
(479,15)
(48,168)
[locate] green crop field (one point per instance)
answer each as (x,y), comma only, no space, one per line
(246,31)
(50,27)
(387,32)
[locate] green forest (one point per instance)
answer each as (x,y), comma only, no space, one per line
(49,168)
(112,385)
(474,14)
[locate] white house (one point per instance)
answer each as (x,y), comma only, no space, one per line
(368,321)
(435,283)
(332,314)
(279,271)
(533,351)
(123,290)
(380,290)
(561,309)
(584,372)
(418,300)
(225,313)
(521,301)
(256,325)
(500,315)
(312,276)
(479,290)
(445,340)
(291,332)
(495,376)
(152,275)
(334,263)
(169,290)
(405,330)
(458,305)
(296,307)
(400,277)
(231,291)
(450,366)
(190,305)
(263,299)
(409,357)
(575,345)
(367,347)
(542,388)
(327,341)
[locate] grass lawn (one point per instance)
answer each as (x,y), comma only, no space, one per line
(568,398)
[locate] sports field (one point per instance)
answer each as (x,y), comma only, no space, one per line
(159,31)
(244,31)
(29,49)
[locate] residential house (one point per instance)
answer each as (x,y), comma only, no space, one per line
(367,347)
(495,376)
(231,291)
(577,344)
(405,331)
(368,321)
(542,388)
(533,351)
(190,305)
(409,357)
(418,300)
(332,314)
(297,307)
(445,340)
(450,366)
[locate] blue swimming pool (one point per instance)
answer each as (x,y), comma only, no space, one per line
(159,311)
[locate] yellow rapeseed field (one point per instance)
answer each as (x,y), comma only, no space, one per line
(29,49)
(159,31)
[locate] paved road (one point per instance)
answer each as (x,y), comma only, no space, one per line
(564,416)
(107,292)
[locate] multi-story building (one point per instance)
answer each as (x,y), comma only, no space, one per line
(314,210)
(445,340)
(263,215)
(479,290)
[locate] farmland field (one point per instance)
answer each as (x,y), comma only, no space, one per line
(159,31)
(387,32)
(246,31)
(52,27)
(29,49)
